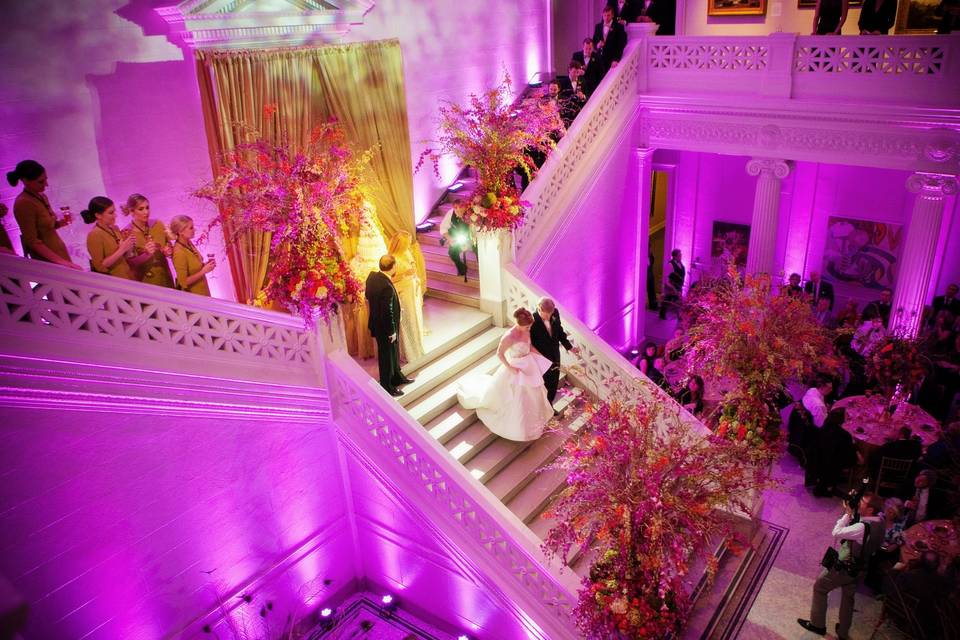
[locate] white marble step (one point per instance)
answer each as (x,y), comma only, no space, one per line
(432,251)
(454,292)
(477,327)
(470,442)
(448,274)
(442,403)
(442,264)
(449,364)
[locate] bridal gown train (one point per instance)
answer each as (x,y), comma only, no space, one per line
(512,405)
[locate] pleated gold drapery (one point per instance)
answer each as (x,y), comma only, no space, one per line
(359,84)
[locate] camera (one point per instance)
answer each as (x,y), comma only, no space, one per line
(855,496)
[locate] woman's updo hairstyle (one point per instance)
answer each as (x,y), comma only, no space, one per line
(98,204)
(178,224)
(25,170)
(523,317)
(132,203)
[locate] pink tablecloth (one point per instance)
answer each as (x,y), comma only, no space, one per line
(868,420)
(939,535)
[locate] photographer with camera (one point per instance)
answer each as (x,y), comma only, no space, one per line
(859,533)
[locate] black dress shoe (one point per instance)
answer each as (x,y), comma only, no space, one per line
(809,626)
(395,392)
(404,381)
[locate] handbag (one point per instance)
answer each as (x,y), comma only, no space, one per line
(830,558)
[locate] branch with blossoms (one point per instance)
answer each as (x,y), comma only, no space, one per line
(646,498)
(306,200)
(496,137)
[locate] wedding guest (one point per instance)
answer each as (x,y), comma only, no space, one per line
(384,325)
(512,403)
(869,336)
(830,451)
(849,316)
(814,400)
(150,242)
(661,12)
(922,580)
(887,556)
(829,17)
(879,307)
(593,70)
(651,364)
(191,270)
(925,504)
(6,246)
(609,38)
(367,244)
(819,289)
(877,17)
(410,292)
(675,278)
(945,452)
(793,288)
(905,447)
(458,235)
(108,246)
(822,314)
(37,221)
(947,302)
(676,346)
(856,545)
(546,336)
(625,11)
(691,397)
(571,96)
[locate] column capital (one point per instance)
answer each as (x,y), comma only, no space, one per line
(932,184)
(774,166)
(643,154)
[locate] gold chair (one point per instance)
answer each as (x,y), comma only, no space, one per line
(893,473)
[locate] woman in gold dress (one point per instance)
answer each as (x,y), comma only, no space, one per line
(187,262)
(150,242)
(369,247)
(109,247)
(410,290)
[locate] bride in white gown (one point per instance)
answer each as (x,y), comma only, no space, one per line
(512,403)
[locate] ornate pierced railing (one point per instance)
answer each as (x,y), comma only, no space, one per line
(88,317)
(491,539)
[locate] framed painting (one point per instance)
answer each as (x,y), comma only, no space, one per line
(862,254)
(736,7)
(917,16)
(728,245)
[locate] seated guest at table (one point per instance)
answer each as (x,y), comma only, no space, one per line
(651,364)
(925,503)
(823,314)
(191,270)
(905,447)
(869,336)
(814,400)
(884,559)
(947,302)
(830,453)
(945,452)
(880,307)
(109,247)
(793,288)
(691,397)
(819,289)
(676,346)
(150,242)
(35,217)
(849,316)
(922,580)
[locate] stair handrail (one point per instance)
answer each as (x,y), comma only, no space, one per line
(99,319)
(609,105)
(601,368)
(489,540)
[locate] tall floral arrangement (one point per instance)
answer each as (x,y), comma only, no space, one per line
(306,200)
(898,362)
(496,136)
(647,496)
(755,343)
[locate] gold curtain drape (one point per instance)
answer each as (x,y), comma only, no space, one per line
(359,84)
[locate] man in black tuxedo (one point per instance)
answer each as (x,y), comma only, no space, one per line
(592,67)
(947,302)
(625,10)
(546,336)
(661,12)
(817,289)
(905,447)
(384,325)
(879,307)
(609,38)
(571,96)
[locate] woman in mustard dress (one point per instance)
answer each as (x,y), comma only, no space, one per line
(150,242)
(108,246)
(35,217)
(410,291)
(190,268)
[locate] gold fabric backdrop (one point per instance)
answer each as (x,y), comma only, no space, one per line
(359,84)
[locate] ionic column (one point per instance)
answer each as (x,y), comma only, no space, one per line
(766,212)
(916,262)
(643,166)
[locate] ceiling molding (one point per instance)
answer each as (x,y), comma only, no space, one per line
(256,24)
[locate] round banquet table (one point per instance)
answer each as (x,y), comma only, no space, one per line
(869,422)
(941,536)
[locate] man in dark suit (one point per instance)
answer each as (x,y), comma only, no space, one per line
(947,302)
(625,10)
(592,67)
(571,96)
(546,336)
(609,38)
(673,292)
(903,448)
(816,288)
(661,12)
(384,325)
(879,307)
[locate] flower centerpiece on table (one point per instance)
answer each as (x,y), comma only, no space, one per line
(305,199)
(646,496)
(898,363)
(496,136)
(755,343)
